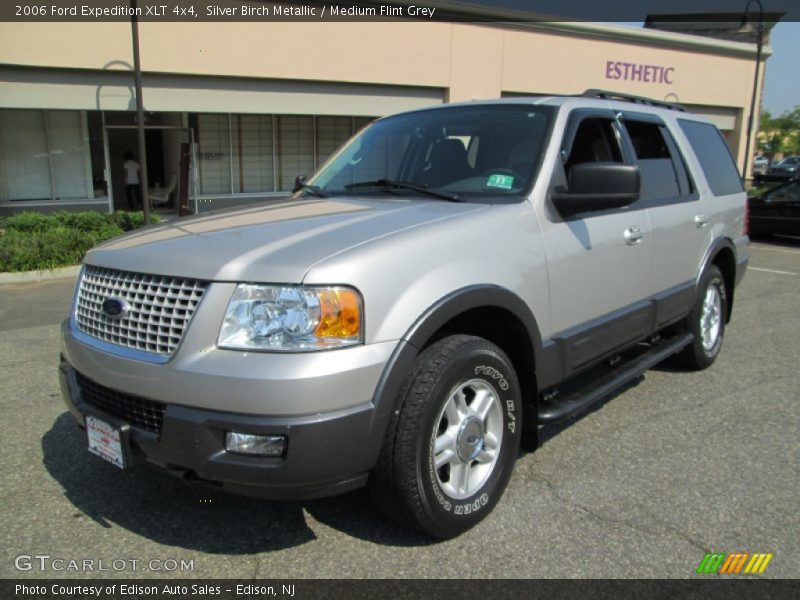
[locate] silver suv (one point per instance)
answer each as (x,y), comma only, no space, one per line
(448,282)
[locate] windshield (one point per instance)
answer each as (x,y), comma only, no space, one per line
(469,153)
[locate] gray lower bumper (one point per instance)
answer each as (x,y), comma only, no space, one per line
(326,454)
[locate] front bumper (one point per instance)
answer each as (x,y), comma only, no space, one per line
(327,452)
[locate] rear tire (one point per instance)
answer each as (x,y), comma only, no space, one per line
(706,322)
(453,440)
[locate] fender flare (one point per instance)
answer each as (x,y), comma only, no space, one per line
(426,325)
(712,251)
(470,297)
(715,248)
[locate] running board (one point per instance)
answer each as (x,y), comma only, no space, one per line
(598,388)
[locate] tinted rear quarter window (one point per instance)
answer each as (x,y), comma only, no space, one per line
(714,156)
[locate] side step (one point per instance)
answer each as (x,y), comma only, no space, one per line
(598,388)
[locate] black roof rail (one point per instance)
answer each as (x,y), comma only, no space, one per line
(609,95)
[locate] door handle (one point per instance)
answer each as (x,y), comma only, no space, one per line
(633,235)
(700,220)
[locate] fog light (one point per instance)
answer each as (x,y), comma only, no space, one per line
(255,445)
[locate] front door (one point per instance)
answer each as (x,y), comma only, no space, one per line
(599,262)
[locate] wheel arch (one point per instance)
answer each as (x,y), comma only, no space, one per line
(722,254)
(492,312)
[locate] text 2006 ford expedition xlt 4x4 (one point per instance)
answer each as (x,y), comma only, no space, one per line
(451,279)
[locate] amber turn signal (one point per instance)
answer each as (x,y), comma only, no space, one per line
(340,313)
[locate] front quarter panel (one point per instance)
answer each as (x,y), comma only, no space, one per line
(401,276)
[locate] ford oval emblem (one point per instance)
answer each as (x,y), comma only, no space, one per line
(115,308)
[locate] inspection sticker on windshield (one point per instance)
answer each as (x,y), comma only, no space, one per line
(105,441)
(498,180)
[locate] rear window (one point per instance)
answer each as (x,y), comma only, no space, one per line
(714,156)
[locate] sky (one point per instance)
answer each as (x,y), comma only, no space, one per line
(782,85)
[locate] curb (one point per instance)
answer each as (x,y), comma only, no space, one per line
(38,276)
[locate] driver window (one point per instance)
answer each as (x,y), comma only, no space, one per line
(595,141)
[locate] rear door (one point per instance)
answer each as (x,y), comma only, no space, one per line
(681,231)
(598,262)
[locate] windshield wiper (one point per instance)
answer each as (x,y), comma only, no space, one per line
(312,189)
(406,185)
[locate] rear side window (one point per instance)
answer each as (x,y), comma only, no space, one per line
(714,156)
(660,164)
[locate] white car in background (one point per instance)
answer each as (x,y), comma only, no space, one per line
(760,165)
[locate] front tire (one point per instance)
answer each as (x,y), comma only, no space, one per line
(706,321)
(452,443)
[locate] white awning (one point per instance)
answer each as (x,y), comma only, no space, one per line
(92,90)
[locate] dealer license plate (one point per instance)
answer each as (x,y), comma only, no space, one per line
(105,441)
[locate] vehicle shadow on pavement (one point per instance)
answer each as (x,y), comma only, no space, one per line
(159,507)
(548,432)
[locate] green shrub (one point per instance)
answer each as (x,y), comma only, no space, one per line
(29,221)
(32,241)
(82,221)
(108,231)
(128,221)
(20,251)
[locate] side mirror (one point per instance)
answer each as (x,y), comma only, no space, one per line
(598,186)
(299,181)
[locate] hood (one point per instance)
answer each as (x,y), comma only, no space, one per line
(274,242)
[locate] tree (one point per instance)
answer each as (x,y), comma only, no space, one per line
(779,134)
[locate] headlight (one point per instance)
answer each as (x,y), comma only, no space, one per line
(291,318)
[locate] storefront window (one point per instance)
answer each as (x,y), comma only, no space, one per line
(251,154)
(24,160)
(295,149)
(332,132)
(69,152)
(44,155)
(253,165)
(213,153)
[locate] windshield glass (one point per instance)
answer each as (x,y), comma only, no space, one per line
(468,152)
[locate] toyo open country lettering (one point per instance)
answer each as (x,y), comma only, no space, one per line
(451,280)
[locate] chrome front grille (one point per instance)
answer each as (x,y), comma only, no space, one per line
(160,308)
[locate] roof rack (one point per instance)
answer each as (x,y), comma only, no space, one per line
(608,95)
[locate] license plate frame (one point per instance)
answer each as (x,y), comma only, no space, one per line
(108,440)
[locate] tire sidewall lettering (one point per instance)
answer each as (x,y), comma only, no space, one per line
(494,374)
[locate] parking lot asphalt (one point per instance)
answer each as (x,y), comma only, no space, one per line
(675,466)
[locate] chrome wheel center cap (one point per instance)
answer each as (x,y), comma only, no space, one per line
(470,439)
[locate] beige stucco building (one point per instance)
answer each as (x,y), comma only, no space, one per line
(252,105)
